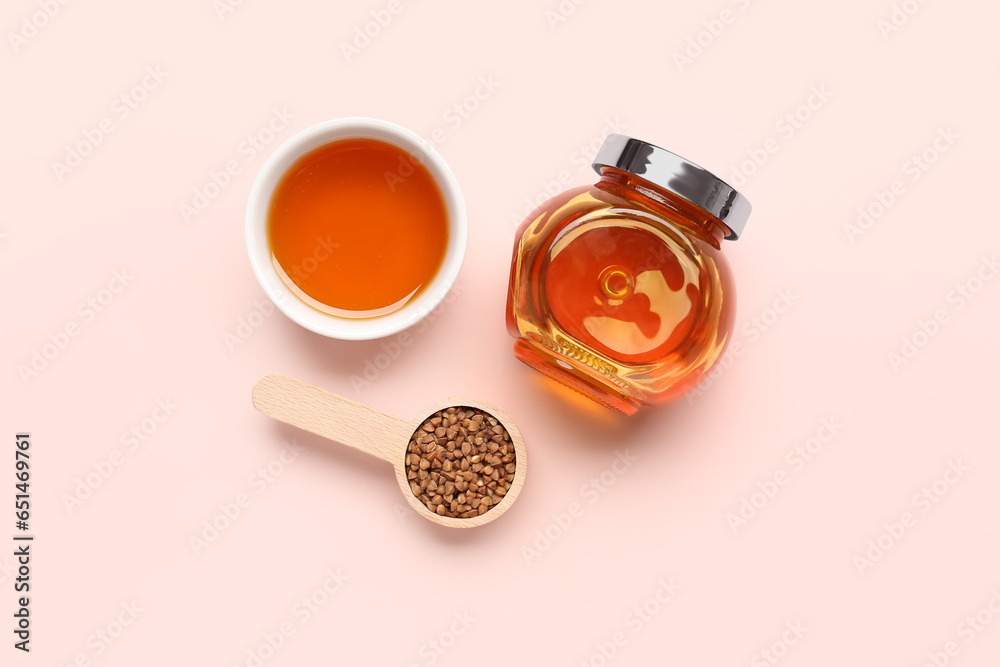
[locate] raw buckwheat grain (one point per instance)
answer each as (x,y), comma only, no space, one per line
(460,462)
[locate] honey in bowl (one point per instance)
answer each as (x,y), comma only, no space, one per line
(357,228)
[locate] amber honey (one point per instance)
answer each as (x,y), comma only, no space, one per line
(357,228)
(620,290)
(623,310)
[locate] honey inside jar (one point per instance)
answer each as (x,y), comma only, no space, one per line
(620,290)
(357,228)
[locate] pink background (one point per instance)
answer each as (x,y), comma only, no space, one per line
(534,600)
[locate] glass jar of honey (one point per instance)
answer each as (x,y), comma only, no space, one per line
(620,290)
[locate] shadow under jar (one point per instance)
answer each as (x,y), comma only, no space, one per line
(620,290)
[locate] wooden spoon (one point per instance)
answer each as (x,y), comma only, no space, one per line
(383,436)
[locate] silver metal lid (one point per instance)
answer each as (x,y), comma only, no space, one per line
(675,174)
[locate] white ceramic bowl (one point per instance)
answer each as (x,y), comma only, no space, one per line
(260,254)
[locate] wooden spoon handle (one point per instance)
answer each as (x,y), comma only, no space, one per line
(331,416)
